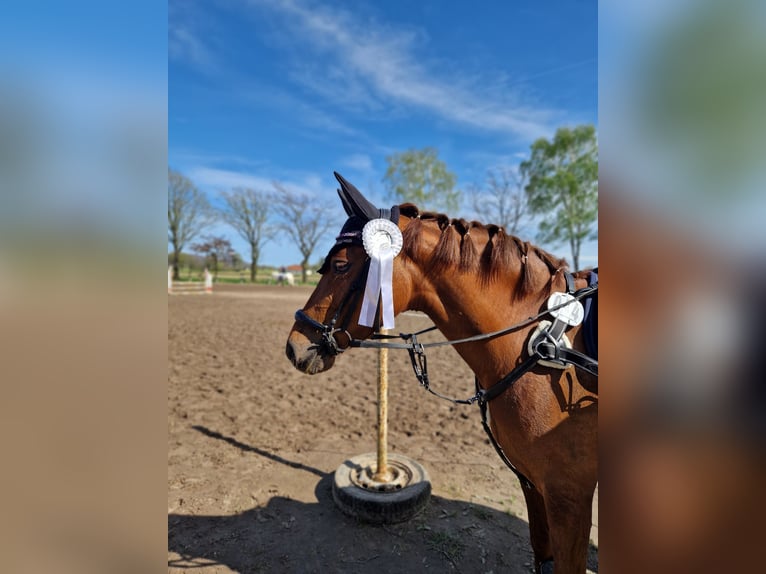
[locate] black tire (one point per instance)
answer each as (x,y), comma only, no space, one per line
(381,507)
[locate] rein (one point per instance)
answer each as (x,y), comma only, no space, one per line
(547,348)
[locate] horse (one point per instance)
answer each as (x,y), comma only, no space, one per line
(486,291)
(282,278)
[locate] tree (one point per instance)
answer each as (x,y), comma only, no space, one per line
(188,214)
(504,200)
(218,249)
(305,220)
(247,210)
(420,177)
(237,263)
(189,261)
(563,186)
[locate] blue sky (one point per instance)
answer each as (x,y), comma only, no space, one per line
(290,90)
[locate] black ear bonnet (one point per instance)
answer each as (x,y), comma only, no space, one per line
(360,211)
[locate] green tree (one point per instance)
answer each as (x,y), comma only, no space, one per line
(420,177)
(188,214)
(247,211)
(563,186)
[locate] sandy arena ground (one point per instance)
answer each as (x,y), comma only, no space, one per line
(253,443)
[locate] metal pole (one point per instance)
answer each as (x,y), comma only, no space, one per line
(382,474)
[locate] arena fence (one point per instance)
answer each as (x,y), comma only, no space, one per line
(189,287)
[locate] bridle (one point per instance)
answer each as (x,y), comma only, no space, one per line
(329,343)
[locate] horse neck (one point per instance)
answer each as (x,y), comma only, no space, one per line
(464,304)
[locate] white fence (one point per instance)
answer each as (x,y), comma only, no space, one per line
(189,287)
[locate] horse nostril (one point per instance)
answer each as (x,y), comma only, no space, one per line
(290,352)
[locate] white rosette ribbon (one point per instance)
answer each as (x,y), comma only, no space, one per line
(382,241)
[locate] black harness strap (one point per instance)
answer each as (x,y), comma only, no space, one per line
(570,280)
(552,352)
(504,384)
(525,482)
(484,396)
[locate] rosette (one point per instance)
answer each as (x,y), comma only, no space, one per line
(382,240)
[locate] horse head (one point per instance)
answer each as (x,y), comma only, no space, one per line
(331,317)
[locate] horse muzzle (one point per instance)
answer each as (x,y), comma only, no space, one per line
(306,356)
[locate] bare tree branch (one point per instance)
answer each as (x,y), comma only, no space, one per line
(188,214)
(304,219)
(247,211)
(503,201)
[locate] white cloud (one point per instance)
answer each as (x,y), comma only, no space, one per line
(184,45)
(187,26)
(223,179)
(383,62)
(358,161)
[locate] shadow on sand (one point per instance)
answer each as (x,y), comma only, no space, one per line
(287,535)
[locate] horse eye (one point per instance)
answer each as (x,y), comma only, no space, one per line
(340,266)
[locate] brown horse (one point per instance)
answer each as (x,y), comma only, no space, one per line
(544,421)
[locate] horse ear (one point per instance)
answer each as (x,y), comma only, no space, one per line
(352,198)
(346,206)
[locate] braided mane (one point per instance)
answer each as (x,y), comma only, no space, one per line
(474,247)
